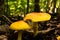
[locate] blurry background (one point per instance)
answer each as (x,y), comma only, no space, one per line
(17,7)
(14,10)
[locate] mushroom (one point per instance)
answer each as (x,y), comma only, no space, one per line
(58,37)
(36,17)
(19,26)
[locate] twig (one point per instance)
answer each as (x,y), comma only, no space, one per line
(7,18)
(44,31)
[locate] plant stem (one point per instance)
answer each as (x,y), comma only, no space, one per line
(35,28)
(19,35)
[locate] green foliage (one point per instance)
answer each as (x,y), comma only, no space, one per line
(18,6)
(15,7)
(43,4)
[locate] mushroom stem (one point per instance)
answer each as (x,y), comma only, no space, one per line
(19,35)
(35,28)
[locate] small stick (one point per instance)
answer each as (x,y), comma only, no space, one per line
(7,18)
(44,31)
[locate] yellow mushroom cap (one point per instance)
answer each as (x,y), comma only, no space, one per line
(36,17)
(58,38)
(19,25)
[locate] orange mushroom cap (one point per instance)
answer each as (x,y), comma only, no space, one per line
(19,25)
(36,17)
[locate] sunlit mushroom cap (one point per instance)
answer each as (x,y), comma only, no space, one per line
(19,25)
(36,17)
(58,38)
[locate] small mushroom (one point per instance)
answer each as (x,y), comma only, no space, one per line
(58,37)
(36,17)
(20,26)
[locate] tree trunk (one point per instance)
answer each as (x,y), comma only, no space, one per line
(27,6)
(36,6)
(1,7)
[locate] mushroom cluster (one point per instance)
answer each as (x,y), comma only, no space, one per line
(22,25)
